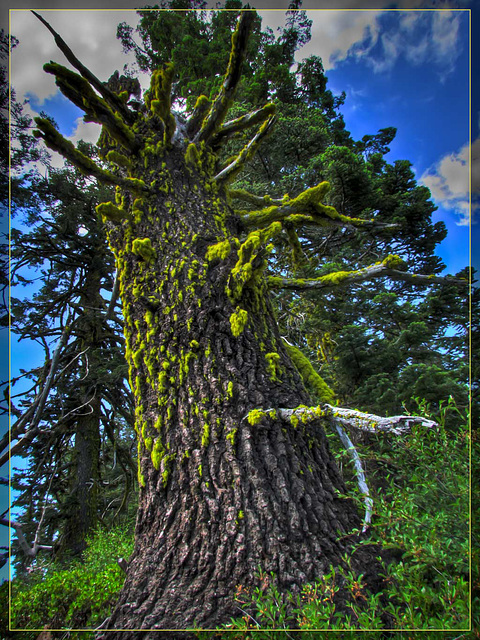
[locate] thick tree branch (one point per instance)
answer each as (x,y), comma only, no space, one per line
(54,140)
(372,423)
(381,270)
(111,98)
(246,153)
(222,102)
(305,209)
(79,91)
(159,100)
(244,122)
(258,201)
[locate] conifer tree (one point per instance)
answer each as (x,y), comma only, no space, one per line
(67,425)
(234,468)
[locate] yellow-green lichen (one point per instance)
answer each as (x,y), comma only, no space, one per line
(394,262)
(143,248)
(231,436)
(205,434)
(219,251)
(238,320)
(311,379)
(112,213)
(119,159)
(272,364)
(256,416)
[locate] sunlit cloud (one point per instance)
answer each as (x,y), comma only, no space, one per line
(417,37)
(448,181)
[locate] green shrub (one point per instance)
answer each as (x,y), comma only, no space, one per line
(79,596)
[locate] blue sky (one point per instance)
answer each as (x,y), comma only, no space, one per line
(407,69)
(427,98)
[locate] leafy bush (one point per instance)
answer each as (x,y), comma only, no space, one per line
(78,596)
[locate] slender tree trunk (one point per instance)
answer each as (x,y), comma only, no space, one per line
(220,497)
(82,502)
(81,508)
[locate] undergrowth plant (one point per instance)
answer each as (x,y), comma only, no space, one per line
(76,596)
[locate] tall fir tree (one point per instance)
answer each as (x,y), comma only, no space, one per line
(234,469)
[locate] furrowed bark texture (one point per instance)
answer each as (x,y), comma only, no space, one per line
(220,497)
(81,508)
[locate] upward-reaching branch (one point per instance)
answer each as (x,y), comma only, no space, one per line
(79,91)
(54,140)
(222,102)
(244,122)
(112,98)
(229,172)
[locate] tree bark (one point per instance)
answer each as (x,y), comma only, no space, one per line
(82,503)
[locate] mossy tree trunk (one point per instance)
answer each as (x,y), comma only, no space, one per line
(220,497)
(227,486)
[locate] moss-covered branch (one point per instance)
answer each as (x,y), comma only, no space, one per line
(222,102)
(113,100)
(55,141)
(390,267)
(158,99)
(251,262)
(372,423)
(311,379)
(200,110)
(305,209)
(258,201)
(246,153)
(244,122)
(79,91)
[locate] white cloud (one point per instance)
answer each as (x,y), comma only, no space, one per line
(448,180)
(335,32)
(90,34)
(92,37)
(87,131)
(417,37)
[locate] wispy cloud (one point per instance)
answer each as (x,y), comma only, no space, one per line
(334,33)
(448,181)
(90,34)
(416,37)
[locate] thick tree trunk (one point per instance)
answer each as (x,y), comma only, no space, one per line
(220,497)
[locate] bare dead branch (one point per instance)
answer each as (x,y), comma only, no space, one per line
(111,98)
